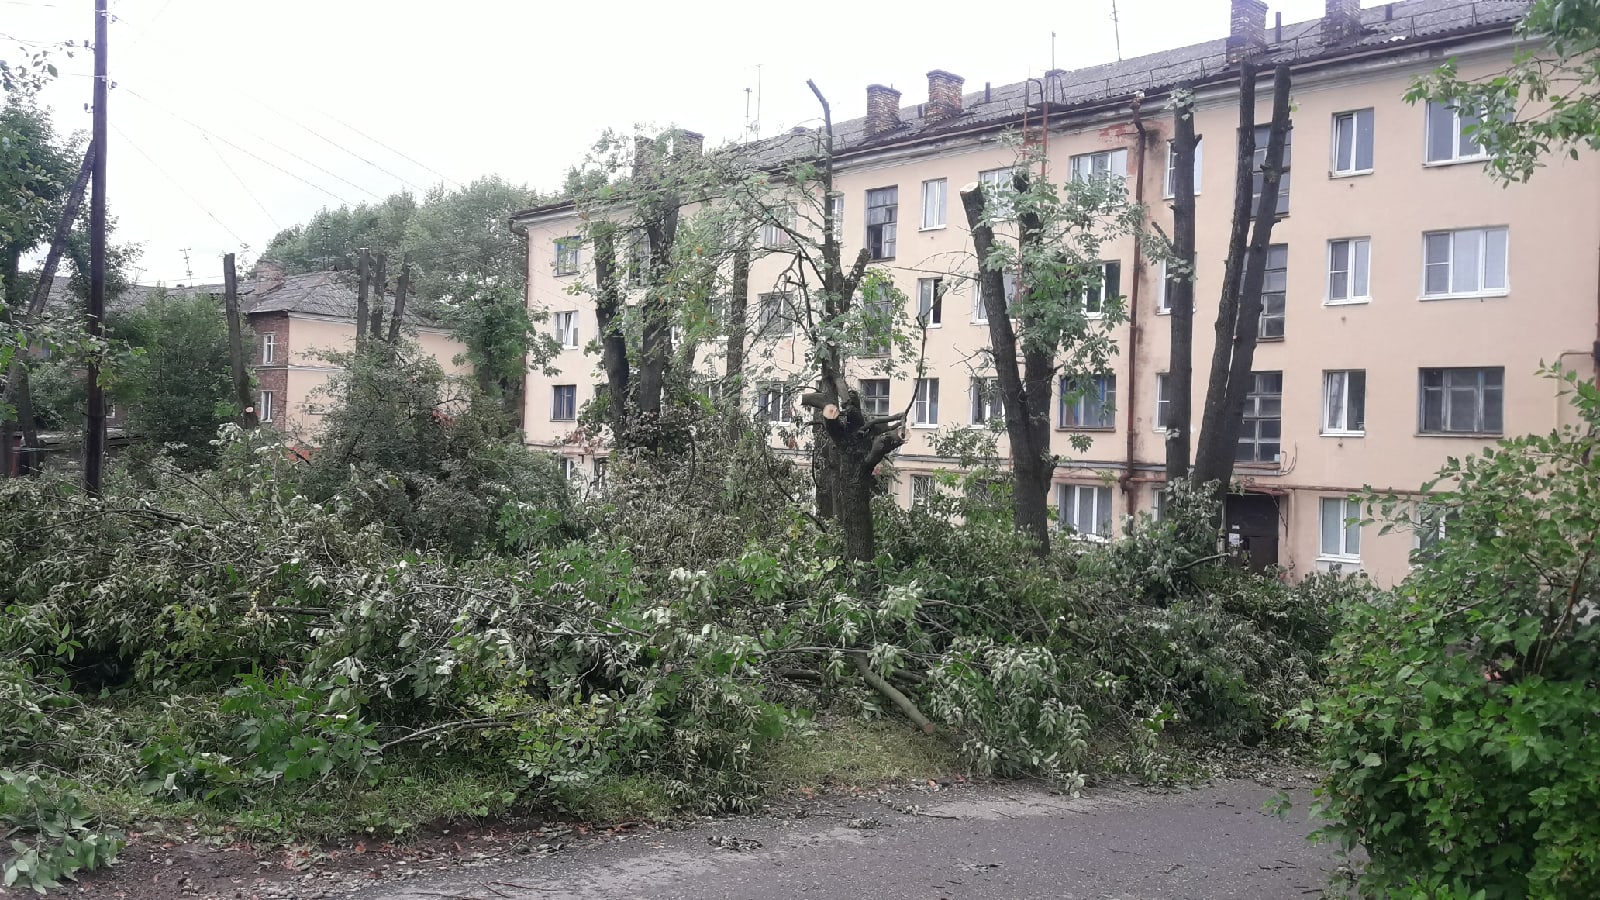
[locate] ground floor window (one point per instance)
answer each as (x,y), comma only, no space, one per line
(1085,508)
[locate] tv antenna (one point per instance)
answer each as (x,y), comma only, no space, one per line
(1116,29)
(188,269)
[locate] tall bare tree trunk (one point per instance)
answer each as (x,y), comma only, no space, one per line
(1180,291)
(1026,396)
(613,341)
(1239,312)
(400,292)
(738,318)
(363,284)
(236,363)
(380,283)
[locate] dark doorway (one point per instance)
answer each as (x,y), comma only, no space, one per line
(1251,523)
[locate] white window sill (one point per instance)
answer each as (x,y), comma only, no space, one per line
(1343,434)
(565,274)
(933,325)
(1085,536)
(1467,435)
(932,228)
(1461,161)
(1353,173)
(1345,564)
(1168,196)
(1159,429)
(1349,301)
(1096,316)
(980,321)
(1467,295)
(925,426)
(1163,312)
(570,347)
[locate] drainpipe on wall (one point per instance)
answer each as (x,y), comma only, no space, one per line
(1132,393)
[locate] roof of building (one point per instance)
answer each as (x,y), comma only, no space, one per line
(330,294)
(65,300)
(1391,26)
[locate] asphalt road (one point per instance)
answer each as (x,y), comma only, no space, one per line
(1004,843)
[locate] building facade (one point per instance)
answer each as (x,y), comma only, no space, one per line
(1410,299)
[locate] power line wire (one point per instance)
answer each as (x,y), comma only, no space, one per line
(243,150)
(251,194)
(179,185)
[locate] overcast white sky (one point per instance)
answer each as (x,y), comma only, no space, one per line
(314,103)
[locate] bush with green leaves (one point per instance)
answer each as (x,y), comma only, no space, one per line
(46,834)
(1461,725)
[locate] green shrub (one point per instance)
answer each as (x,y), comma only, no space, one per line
(1462,719)
(48,835)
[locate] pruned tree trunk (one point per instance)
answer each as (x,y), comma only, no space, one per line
(380,283)
(655,338)
(236,362)
(1180,291)
(1239,312)
(400,292)
(738,316)
(363,283)
(613,340)
(1025,394)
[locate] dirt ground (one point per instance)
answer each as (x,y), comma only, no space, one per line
(914,841)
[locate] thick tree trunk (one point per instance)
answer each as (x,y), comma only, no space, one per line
(363,284)
(1026,396)
(1238,318)
(613,341)
(1180,293)
(400,292)
(738,316)
(854,493)
(380,283)
(236,361)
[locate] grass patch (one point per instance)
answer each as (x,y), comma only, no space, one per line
(849,752)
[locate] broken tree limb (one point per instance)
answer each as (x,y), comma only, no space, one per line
(900,700)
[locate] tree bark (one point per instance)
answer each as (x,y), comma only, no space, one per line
(1239,313)
(400,302)
(380,283)
(1025,395)
(236,363)
(613,341)
(1180,292)
(363,284)
(738,315)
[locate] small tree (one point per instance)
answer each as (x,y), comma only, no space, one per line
(1548,99)
(177,386)
(1050,331)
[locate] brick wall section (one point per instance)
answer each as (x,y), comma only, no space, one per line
(274,378)
(1341,21)
(1247,28)
(883,109)
(944,95)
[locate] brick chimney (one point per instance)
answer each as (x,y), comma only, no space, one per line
(944,95)
(1247,28)
(1341,21)
(883,110)
(268,276)
(644,150)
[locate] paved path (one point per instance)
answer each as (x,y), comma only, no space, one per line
(1004,843)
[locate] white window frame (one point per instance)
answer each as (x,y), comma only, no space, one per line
(889,228)
(1482,234)
(986,403)
(569,468)
(923,489)
(838,216)
(1357,245)
(1336,406)
(925,408)
(1457,137)
(555,403)
(870,403)
(1481,390)
(935,199)
(1166,186)
(269,349)
(773,402)
(773,322)
(1104,392)
(993,182)
(980,313)
(1084,166)
(566,327)
(264,407)
(1354,118)
(569,256)
(1163,387)
(1348,542)
(1067,496)
(930,302)
(1105,271)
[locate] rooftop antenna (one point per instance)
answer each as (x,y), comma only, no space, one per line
(188,269)
(747,94)
(755,123)
(1116,29)
(1052,51)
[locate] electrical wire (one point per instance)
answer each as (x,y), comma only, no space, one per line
(178,184)
(243,150)
(251,194)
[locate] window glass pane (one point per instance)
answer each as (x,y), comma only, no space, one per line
(1352,531)
(1332,523)
(1468,146)
(1441,133)
(1359,275)
(1333,390)
(1364,138)
(1344,142)
(1494,259)
(1462,410)
(1493,408)
(1102,522)
(1466,249)
(1356,404)
(1437,248)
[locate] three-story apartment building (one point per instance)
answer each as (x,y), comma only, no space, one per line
(1410,298)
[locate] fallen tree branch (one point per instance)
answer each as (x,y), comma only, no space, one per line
(901,701)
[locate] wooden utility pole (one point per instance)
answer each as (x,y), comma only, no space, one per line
(400,302)
(94,430)
(363,265)
(248,417)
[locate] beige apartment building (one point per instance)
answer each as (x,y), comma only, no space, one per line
(1410,299)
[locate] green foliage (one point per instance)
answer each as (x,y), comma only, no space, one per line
(1462,716)
(1545,102)
(48,833)
(178,384)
